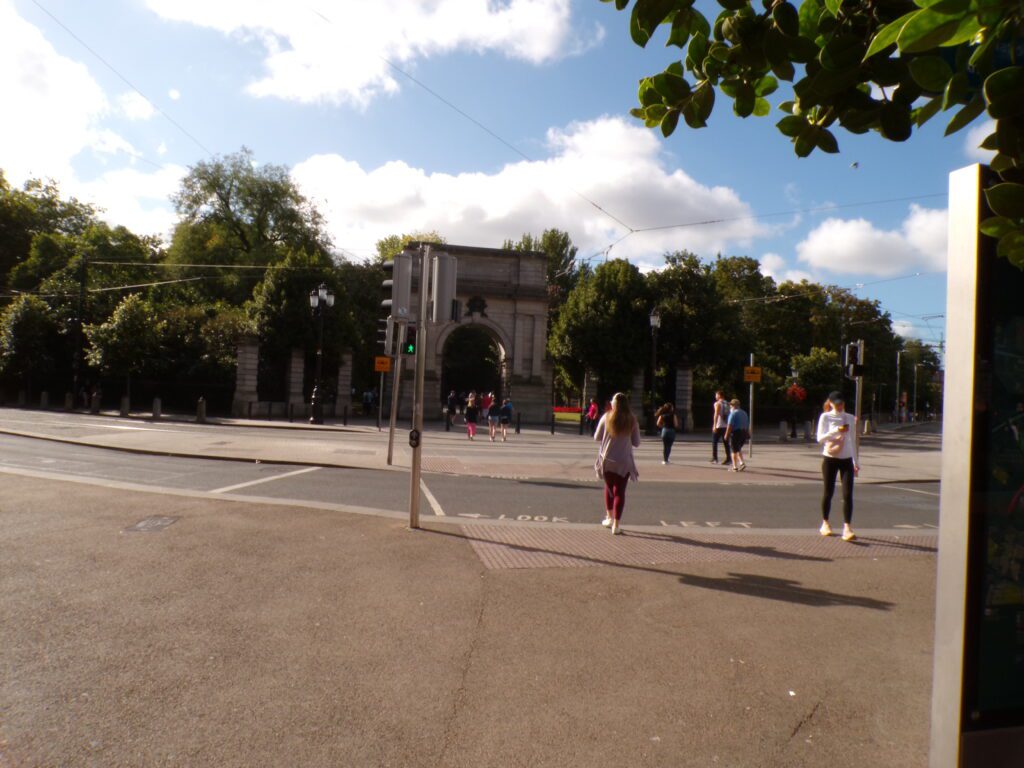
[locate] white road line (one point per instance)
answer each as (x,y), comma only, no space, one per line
(913,490)
(431,500)
(227,488)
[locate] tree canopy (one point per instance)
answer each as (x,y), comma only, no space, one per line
(886,66)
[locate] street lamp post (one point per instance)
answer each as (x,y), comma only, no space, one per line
(914,411)
(655,325)
(899,405)
(320,300)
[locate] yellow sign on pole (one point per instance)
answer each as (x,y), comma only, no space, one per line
(752,374)
(382,364)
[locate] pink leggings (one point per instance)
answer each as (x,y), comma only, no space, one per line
(471,428)
(615,493)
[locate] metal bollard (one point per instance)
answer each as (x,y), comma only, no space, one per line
(552,421)
(249,411)
(44,401)
(94,403)
(157,409)
(21,398)
(69,401)
(201,411)
(447,421)
(808,432)
(519,422)
(344,416)
(125,406)
(291,412)
(581,422)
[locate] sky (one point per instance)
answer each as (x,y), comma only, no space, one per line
(480,119)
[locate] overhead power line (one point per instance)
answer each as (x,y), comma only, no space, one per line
(122,78)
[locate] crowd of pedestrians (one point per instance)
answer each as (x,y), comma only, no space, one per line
(475,408)
(617,433)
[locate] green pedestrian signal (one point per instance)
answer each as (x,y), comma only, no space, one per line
(409,345)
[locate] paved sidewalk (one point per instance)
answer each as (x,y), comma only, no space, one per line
(266,635)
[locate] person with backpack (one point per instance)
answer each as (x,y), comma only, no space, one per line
(618,434)
(668,423)
(737,432)
(470,414)
(505,416)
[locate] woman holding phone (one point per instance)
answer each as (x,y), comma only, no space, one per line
(837,434)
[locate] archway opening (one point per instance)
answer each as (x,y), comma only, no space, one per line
(472,361)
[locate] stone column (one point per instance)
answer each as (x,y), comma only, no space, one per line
(246,372)
(636,396)
(684,395)
(345,383)
(296,378)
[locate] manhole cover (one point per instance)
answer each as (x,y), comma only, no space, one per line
(149,524)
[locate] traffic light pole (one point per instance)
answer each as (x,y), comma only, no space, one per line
(396,384)
(750,430)
(415,436)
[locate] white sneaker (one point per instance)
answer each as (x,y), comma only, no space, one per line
(664,463)
(616,530)
(607,522)
(848,534)
(826,529)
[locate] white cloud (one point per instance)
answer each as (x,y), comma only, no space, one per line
(319,52)
(174,94)
(905,328)
(162,148)
(52,103)
(856,246)
(134,106)
(614,163)
(774,266)
(974,137)
(132,198)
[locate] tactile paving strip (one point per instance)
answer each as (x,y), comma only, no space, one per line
(524,547)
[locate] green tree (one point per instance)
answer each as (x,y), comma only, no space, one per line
(28,333)
(35,209)
(392,245)
(235,212)
(128,342)
(922,56)
(816,372)
(603,326)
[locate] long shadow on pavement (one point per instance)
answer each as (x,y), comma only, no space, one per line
(766,587)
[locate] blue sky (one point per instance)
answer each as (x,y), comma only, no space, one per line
(304,84)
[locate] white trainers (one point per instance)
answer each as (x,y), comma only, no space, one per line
(826,529)
(848,534)
(616,529)
(607,522)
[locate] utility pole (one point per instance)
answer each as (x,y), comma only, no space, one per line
(416,433)
(750,430)
(899,410)
(396,384)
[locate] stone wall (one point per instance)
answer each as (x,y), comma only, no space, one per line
(246,376)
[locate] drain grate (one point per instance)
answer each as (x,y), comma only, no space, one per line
(151,524)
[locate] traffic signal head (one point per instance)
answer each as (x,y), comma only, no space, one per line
(386,333)
(399,284)
(409,344)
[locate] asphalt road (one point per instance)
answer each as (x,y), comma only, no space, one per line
(731,503)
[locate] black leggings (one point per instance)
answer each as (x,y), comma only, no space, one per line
(668,436)
(829,468)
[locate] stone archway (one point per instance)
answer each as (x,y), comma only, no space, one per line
(504,293)
(473,360)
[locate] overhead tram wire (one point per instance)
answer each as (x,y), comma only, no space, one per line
(123,79)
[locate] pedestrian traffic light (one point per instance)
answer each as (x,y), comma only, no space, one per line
(409,345)
(854,364)
(400,285)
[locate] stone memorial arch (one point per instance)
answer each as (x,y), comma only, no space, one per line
(503,297)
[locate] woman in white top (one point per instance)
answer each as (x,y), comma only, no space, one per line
(837,433)
(618,433)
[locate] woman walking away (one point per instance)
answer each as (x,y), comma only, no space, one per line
(737,431)
(837,433)
(668,423)
(492,416)
(470,413)
(505,414)
(618,433)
